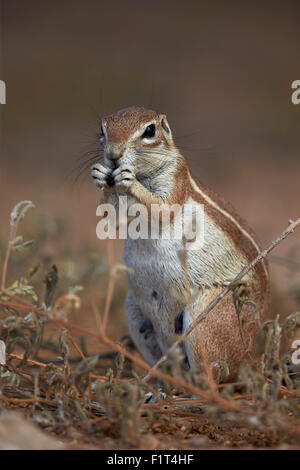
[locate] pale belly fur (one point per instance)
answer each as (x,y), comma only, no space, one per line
(157,279)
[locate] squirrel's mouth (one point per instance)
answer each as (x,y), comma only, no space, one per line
(110,179)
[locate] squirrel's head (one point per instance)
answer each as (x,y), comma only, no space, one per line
(137,136)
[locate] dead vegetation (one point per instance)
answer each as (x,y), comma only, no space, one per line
(99,400)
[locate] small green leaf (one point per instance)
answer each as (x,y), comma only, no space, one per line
(21,246)
(75,289)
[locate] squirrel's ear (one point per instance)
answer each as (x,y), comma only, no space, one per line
(165,125)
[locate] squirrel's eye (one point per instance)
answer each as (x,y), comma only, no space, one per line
(149,131)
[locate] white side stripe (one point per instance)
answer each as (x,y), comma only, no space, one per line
(229,216)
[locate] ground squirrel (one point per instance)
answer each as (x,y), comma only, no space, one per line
(142,161)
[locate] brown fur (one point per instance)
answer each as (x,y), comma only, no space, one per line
(219,332)
(121,125)
(221,335)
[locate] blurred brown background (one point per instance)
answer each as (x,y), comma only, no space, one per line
(221,71)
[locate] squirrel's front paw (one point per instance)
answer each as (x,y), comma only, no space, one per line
(102,176)
(124,177)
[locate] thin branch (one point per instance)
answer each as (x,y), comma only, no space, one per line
(202,315)
(42,364)
(12,236)
(76,347)
(15,218)
(98,318)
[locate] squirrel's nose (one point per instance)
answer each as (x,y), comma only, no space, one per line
(114,155)
(114,151)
